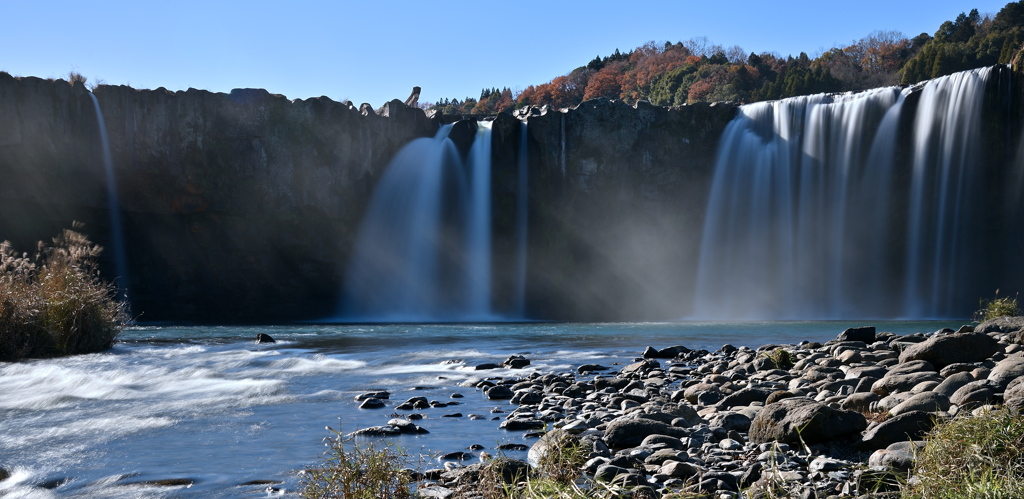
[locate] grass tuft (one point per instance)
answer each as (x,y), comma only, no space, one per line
(980,456)
(997,307)
(54,303)
(356,471)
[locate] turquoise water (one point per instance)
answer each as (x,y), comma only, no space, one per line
(208,405)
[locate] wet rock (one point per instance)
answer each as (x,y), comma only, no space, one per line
(521,424)
(264,338)
(372,403)
(377,395)
(487,366)
(378,431)
(516,362)
(414,403)
(796,420)
(953,348)
(589,368)
(499,392)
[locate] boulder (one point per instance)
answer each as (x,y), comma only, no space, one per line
(264,338)
(638,368)
(623,433)
(522,424)
(499,392)
(679,469)
(974,394)
(372,403)
(865,334)
(1003,325)
(796,420)
(745,396)
(924,401)
(948,349)
(1006,371)
(902,382)
(552,441)
(952,383)
(516,362)
(907,426)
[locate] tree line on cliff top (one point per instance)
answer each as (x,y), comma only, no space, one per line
(696,70)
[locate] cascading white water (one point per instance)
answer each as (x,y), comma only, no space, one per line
(394,272)
(522,206)
(802,218)
(423,253)
(113,203)
(478,240)
(943,189)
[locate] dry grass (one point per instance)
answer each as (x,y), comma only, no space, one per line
(972,457)
(356,471)
(54,303)
(997,307)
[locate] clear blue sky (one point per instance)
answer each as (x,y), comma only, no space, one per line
(376,50)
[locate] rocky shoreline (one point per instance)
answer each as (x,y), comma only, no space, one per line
(840,419)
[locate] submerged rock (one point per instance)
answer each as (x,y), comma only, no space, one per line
(264,338)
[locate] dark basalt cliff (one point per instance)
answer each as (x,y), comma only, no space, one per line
(244,207)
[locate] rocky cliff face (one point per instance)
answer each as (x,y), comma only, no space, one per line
(244,207)
(237,207)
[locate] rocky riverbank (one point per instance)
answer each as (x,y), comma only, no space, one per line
(840,419)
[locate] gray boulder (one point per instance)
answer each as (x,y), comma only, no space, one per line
(865,334)
(1001,325)
(1006,371)
(974,394)
(925,401)
(623,433)
(952,383)
(948,349)
(902,382)
(907,426)
(794,420)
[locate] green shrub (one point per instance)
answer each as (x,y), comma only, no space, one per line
(54,303)
(782,358)
(997,307)
(972,457)
(353,471)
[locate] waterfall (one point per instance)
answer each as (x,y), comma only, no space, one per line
(946,134)
(522,200)
(807,205)
(423,253)
(478,250)
(113,204)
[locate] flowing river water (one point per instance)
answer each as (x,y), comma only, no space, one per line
(210,407)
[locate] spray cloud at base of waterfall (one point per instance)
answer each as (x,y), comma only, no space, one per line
(423,253)
(818,209)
